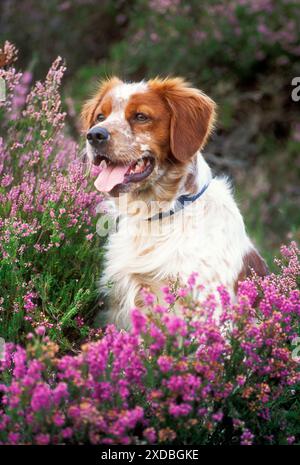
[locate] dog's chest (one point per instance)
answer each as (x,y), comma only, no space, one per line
(140,252)
(160,252)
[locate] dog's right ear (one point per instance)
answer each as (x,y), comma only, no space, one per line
(89,108)
(192,116)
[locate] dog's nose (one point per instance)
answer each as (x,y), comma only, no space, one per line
(97,136)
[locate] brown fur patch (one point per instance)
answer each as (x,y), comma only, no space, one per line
(158,125)
(3,60)
(192,115)
(191,179)
(251,261)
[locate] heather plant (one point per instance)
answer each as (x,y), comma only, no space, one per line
(181,375)
(49,255)
(219,40)
(176,378)
(78,29)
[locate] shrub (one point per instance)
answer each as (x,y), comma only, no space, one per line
(80,30)
(210,39)
(174,378)
(49,255)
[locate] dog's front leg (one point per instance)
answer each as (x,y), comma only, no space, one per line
(123,294)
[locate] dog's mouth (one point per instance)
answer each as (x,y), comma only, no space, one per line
(113,174)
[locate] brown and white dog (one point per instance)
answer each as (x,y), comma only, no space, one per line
(147,138)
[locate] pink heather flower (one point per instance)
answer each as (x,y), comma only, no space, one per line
(150,435)
(237,423)
(217,416)
(161,6)
(107,441)
(123,388)
(202,411)
(247,290)
(179,410)
(165,363)
(246,438)
(160,309)
(19,97)
(182,292)
(148,297)
(290,439)
(154,37)
(192,280)
(10,51)
(58,419)
(169,298)
(6,180)
(158,337)
(200,36)
(27,77)
(175,325)
(224,295)
(4,421)
(60,392)
(42,439)
(41,397)
(67,433)
(40,330)
(13,438)
(263,29)
(138,321)
(80,321)
(240,379)
(29,305)
(74,411)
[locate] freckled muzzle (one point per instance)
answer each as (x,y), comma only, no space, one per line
(123,157)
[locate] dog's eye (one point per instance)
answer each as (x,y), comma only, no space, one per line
(141,117)
(100,117)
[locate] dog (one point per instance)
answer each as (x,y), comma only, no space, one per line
(174,217)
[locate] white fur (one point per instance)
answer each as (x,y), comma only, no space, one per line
(207,237)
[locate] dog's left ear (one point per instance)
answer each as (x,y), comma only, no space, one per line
(192,116)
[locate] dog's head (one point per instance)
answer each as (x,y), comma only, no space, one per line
(143,135)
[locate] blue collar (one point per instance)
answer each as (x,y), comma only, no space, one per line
(191,198)
(181,202)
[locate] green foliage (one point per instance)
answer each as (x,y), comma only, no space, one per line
(50,254)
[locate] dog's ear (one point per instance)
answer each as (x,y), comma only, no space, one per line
(192,116)
(89,108)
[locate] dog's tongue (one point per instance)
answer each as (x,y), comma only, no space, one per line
(110,176)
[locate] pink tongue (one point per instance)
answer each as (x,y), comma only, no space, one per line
(109,177)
